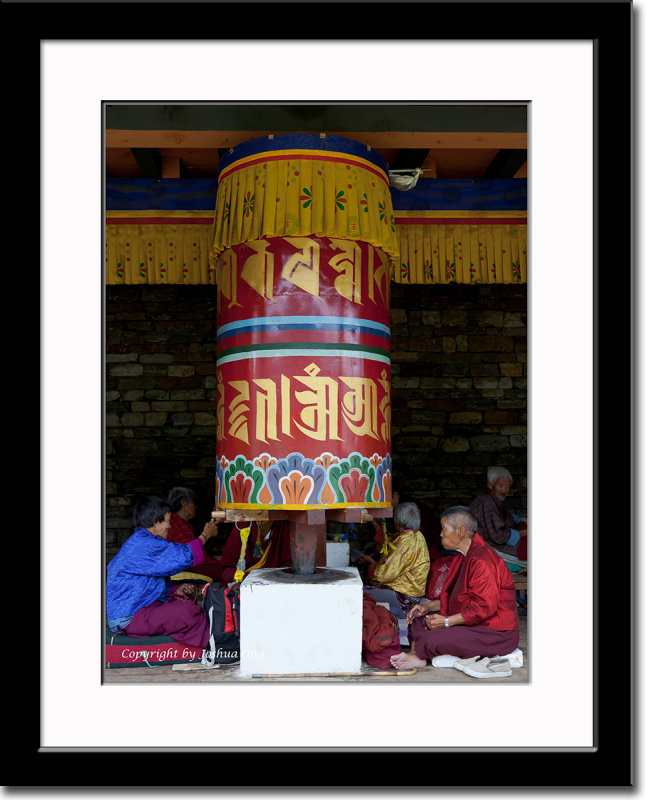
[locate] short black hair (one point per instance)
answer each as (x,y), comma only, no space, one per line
(148,511)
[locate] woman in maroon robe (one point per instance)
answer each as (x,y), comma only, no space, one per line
(269,541)
(476,614)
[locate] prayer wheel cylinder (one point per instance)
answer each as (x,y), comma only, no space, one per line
(303,236)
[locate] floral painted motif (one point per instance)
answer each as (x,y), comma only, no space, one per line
(450,271)
(326,460)
(242,481)
(264,461)
(516,271)
(248,204)
(429,271)
(220,481)
(386,217)
(225,216)
(364,202)
(302,482)
(295,477)
(384,474)
(352,479)
(404,272)
(340,200)
(291,224)
(306,197)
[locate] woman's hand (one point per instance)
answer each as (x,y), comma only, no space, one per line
(365,559)
(185,591)
(418,611)
(434,621)
(210,529)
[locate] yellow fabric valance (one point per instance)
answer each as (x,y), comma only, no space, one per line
(304,193)
(143,249)
(474,253)
(178,253)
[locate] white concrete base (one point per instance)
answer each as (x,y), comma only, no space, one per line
(294,624)
(337,554)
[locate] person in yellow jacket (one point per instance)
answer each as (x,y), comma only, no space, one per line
(404,562)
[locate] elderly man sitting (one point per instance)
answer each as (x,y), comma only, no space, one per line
(504,531)
(476,613)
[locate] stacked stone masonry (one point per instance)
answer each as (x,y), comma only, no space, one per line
(459,393)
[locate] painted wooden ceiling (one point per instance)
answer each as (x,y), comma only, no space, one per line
(461,141)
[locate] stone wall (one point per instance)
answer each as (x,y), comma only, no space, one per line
(459,389)
(458,393)
(160,398)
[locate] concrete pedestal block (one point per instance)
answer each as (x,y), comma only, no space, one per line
(292,624)
(337,554)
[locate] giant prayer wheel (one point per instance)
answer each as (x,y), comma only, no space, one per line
(303,239)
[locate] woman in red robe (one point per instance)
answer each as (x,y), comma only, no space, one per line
(476,614)
(183,510)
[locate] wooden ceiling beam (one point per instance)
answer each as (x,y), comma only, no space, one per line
(420,140)
(149,161)
(171,167)
(506,164)
(522,172)
(409,158)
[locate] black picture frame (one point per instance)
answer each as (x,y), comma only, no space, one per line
(611,762)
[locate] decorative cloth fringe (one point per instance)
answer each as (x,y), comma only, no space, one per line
(461,254)
(157,254)
(178,254)
(304,193)
(440,231)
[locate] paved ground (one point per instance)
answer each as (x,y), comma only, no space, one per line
(429,674)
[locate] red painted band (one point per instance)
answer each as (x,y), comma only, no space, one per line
(301,157)
(461,220)
(159,220)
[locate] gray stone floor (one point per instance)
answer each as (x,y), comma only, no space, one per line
(428,674)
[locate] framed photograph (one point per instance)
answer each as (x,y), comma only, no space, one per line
(571,724)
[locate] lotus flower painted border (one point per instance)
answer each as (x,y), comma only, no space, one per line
(297,482)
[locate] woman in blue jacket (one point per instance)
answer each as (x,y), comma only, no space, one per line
(140,598)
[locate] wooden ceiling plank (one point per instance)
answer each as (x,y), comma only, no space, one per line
(170,166)
(313,116)
(427,140)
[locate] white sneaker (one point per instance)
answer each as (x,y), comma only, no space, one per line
(515,658)
(489,668)
(444,661)
(462,663)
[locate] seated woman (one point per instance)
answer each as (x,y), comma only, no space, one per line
(498,526)
(183,509)
(140,599)
(267,545)
(404,565)
(429,525)
(476,614)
